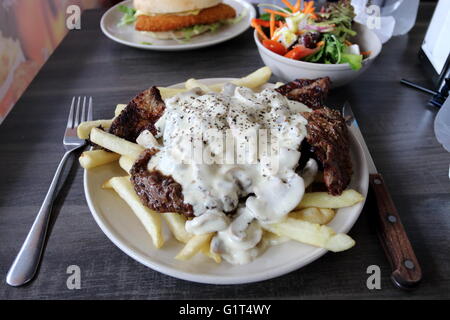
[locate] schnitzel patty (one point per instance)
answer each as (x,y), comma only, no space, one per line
(171,22)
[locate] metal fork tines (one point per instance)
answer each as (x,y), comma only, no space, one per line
(26,263)
(70,137)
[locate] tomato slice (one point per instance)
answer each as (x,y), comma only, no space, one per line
(275,46)
(300,52)
(262,23)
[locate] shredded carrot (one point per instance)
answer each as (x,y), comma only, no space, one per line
(306,6)
(297,6)
(366,53)
(348,43)
(309,8)
(277,38)
(285,15)
(288,4)
(320,44)
(259,30)
(272,25)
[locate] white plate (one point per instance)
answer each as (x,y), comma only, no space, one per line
(120,225)
(127,35)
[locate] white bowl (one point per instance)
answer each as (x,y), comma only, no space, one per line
(340,74)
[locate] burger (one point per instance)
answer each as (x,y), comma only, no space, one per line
(180,19)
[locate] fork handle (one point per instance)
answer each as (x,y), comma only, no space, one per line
(406,273)
(27,261)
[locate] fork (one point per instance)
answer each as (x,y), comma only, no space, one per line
(27,261)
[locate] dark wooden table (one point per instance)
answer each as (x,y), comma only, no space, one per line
(395,120)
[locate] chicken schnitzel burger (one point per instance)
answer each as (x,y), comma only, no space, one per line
(181,19)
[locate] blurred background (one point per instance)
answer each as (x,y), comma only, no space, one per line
(30,30)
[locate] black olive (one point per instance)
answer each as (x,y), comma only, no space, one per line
(309,40)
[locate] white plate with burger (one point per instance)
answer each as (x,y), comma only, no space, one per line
(128,231)
(176,25)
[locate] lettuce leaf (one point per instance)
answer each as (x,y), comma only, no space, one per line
(238,18)
(189,32)
(129,15)
(333,53)
(354,60)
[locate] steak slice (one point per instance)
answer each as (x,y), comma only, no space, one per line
(327,134)
(157,191)
(312,93)
(140,114)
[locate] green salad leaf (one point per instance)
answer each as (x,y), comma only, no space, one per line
(129,15)
(332,52)
(341,15)
(354,60)
(237,19)
(189,32)
(266,17)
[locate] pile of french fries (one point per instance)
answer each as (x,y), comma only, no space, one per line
(306,224)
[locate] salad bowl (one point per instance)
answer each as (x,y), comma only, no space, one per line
(340,74)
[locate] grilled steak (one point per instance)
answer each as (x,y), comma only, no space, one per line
(312,93)
(157,191)
(328,136)
(140,114)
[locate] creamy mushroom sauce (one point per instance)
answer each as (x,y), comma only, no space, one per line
(234,199)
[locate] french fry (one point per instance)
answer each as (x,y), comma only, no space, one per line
(126,163)
(314,215)
(116,144)
(84,129)
(324,200)
(279,84)
(167,93)
(206,250)
(273,239)
(149,218)
(94,158)
(192,83)
(107,184)
(147,140)
(312,234)
(194,245)
(176,223)
(119,109)
(253,80)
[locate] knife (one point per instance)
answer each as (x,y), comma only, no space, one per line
(406,271)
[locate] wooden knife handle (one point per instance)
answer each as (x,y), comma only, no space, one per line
(406,269)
